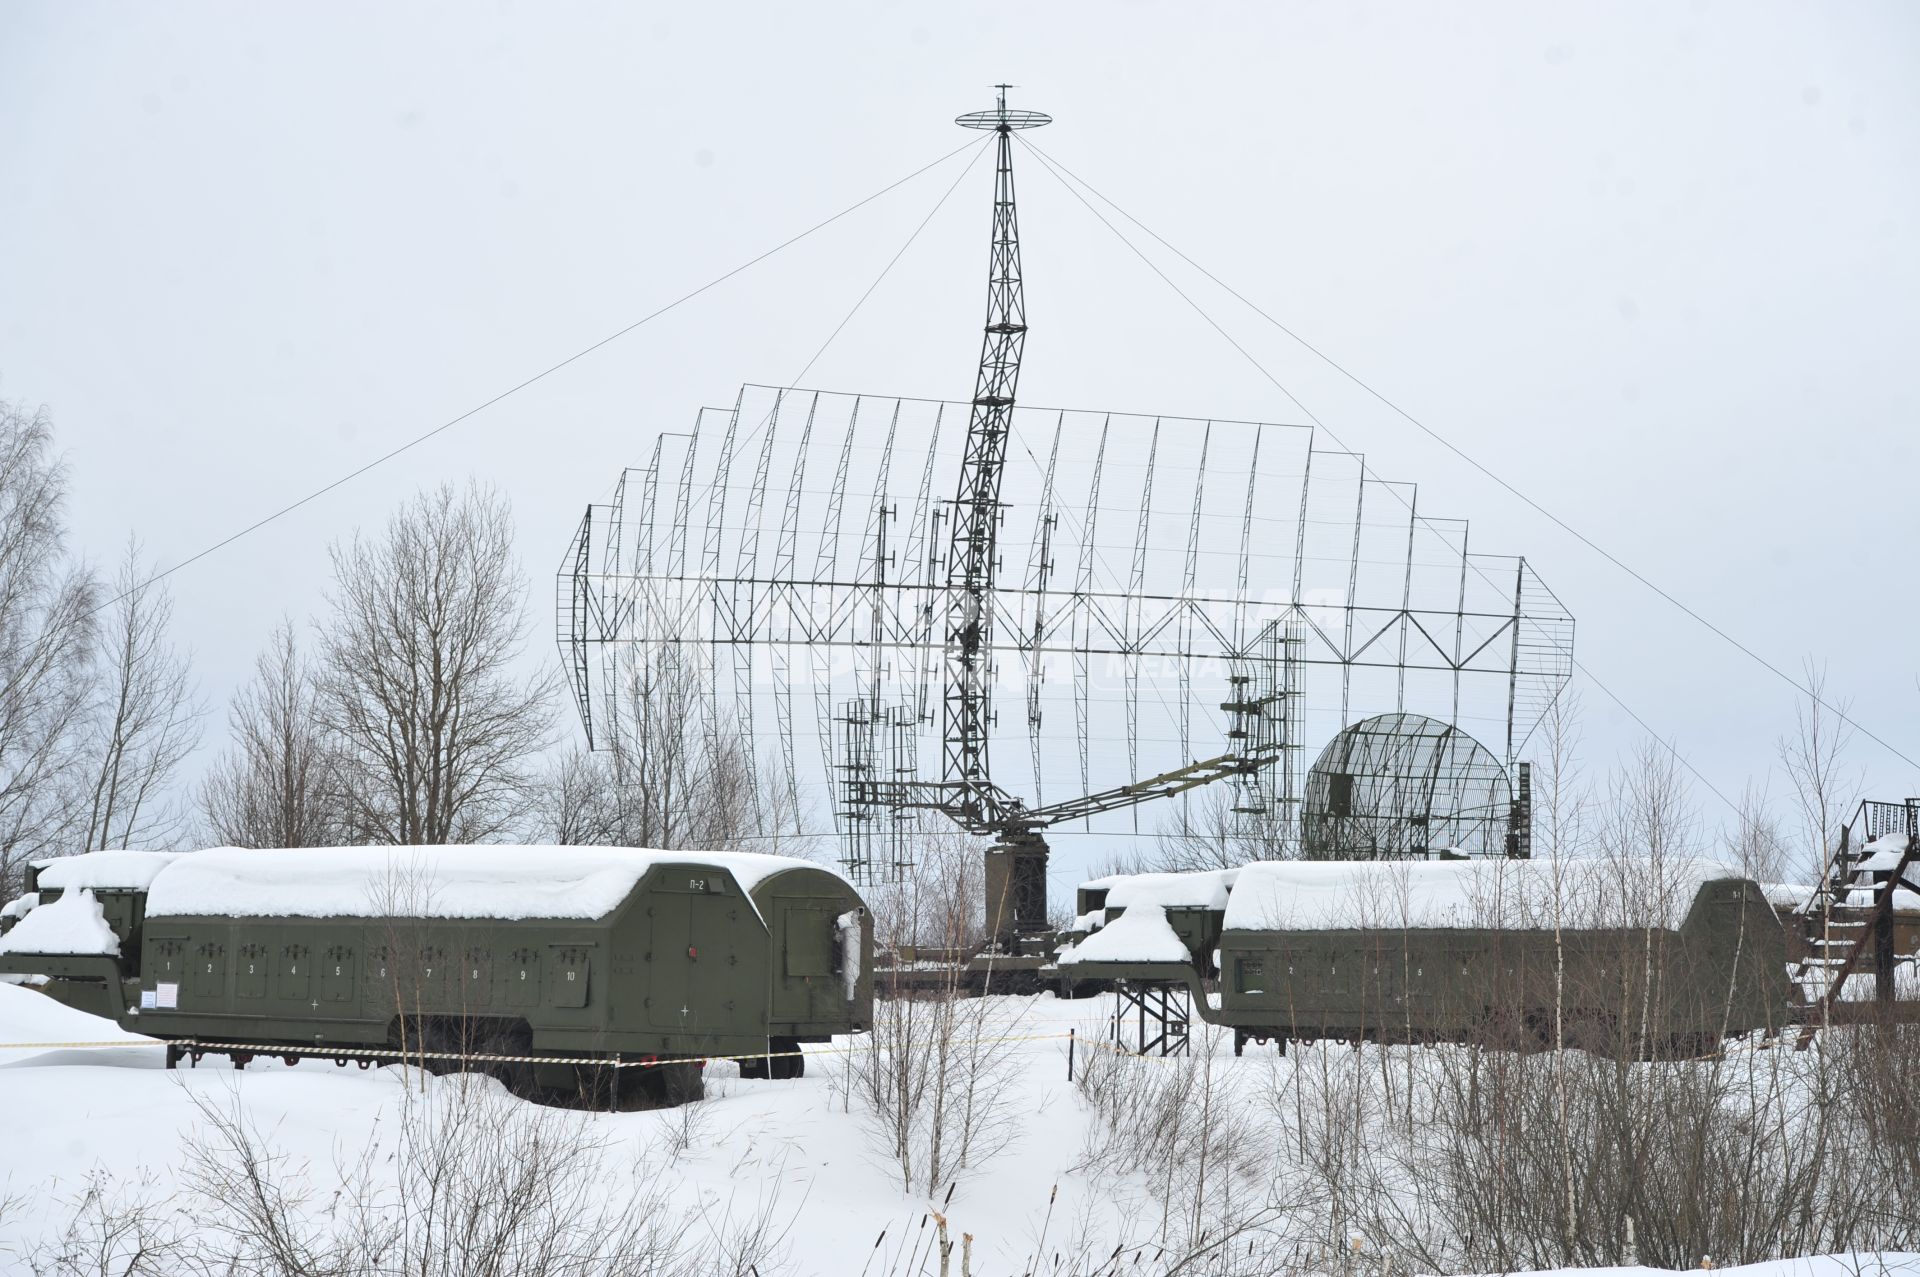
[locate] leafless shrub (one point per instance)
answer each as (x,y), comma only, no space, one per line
(468,1181)
(749,1241)
(275,787)
(1483,1157)
(113,1230)
(1206,1180)
(1479,1157)
(1182,1130)
(435,731)
(1876,1087)
(933,1081)
(687,1126)
(1677,1161)
(931,1076)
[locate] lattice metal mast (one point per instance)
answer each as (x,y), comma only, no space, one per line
(777,595)
(972,553)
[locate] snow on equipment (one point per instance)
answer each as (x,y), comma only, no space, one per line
(607,970)
(1657,957)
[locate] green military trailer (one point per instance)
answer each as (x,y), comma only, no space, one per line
(69,936)
(1642,956)
(555,967)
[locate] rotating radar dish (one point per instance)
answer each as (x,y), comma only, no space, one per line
(1001,119)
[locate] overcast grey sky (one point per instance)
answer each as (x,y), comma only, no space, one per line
(1658,265)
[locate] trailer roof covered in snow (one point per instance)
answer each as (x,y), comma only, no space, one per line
(435,882)
(103,870)
(1601,892)
(1204,889)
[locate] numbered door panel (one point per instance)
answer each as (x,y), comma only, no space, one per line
(567,971)
(166,960)
(293,973)
(476,978)
(207,976)
(522,978)
(337,974)
(382,979)
(250,967)
(432,976)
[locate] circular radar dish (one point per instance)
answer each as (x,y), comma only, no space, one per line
(1003,118)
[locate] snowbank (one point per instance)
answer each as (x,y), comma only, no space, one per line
(73,924)
(431,882)
(1301,895)
(788,1149)
(104,870)
(1141,934)
(27,1016)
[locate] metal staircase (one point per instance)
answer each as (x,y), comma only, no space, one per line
(1851,921)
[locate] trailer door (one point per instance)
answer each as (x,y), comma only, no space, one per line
(808,983)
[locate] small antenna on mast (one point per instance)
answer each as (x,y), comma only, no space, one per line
(1000,118)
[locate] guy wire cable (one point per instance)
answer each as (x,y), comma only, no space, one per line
(1464,456)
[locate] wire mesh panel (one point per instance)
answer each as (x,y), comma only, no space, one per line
(1171,593)
(1399,786)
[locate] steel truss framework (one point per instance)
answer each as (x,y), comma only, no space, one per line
(806,587)
(1184,581)
(1403,786)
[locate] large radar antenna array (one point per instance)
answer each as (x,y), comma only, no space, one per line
(754,551)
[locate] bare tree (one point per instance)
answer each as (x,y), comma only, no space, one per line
(46,644)
(1757,845)
(275,786)
(1814,759)
(676,774)
(1209,833)
(1564,803)
(416,675)
(145,717)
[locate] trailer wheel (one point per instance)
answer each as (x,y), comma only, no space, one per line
(787,1061)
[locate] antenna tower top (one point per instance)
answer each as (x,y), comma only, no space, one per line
(1002,120)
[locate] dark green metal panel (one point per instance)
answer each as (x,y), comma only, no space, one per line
(687,964)
(338,963)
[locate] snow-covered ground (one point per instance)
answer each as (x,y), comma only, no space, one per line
(72,1112)
(801,1155)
